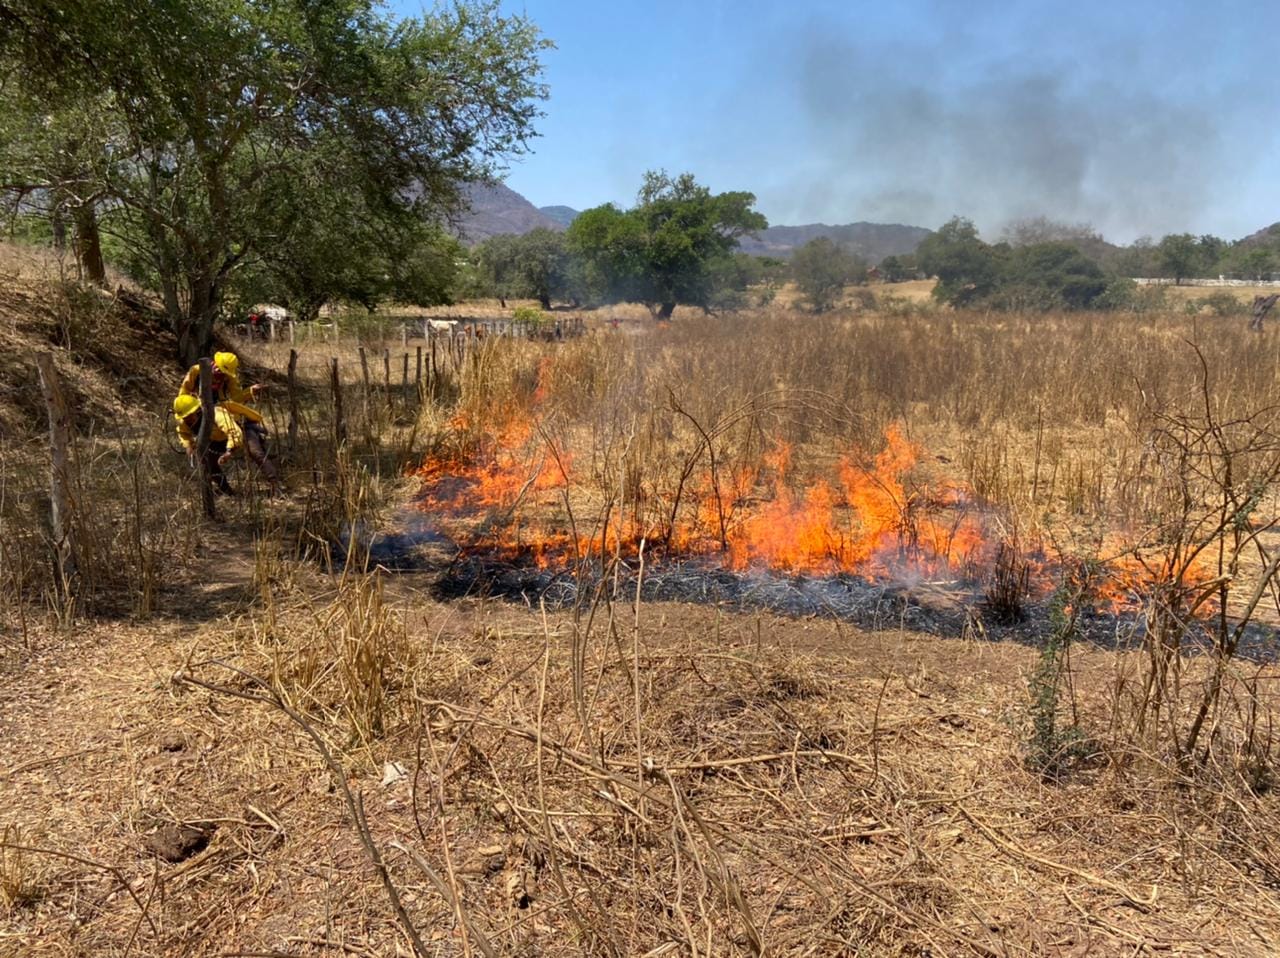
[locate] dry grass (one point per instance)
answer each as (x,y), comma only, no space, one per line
(371,765)
(669,778)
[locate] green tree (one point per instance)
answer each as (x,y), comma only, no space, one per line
(1049,276)
(44,161)
(334,252)
(663,251)
(1140,259)
(1179,256)
(214,109)
(495,267)
(821,269)
(534,265)
(967,268)
(1254,262)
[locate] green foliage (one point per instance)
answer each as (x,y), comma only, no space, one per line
(1055,744)
(731,277)
(222,127)
(1139,259)
(1221,303)
(530,316)
(1047,276)
(899,269)
(1039,276)
(1179,256)
(1255,262)
(968,270)
(1124,295)
(536,265)
(821,269)
(666,250)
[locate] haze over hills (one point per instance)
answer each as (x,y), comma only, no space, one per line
(870,241)
(499,209)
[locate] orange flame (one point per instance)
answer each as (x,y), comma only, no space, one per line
(883,519)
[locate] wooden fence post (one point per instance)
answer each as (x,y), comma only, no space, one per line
(364,373)
(62,519)
(404,381)
(339,424)
(293,395)
(386,376)
(207,415)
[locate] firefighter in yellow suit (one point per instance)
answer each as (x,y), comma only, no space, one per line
(225,436)
(231,397)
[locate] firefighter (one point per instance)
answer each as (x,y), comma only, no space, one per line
(225,437)
(230,395)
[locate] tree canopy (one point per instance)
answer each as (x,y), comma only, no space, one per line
(967,268)
(216,122)
(535,265)
(822,268)
(666,250)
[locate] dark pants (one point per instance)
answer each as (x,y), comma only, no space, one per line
(216,475)
(255,447)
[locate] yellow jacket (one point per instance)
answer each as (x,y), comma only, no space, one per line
(231,388)
(225,429)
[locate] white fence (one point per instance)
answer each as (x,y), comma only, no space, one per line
(1220,281)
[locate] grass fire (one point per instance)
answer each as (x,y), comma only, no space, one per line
(393,568)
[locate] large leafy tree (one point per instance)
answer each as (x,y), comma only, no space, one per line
(665,250)
(218,114)
(536,265)
(967,268)
(1053,275)
(1180,256)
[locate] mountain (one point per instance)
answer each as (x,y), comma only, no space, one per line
(564,215)
(497,209)
(1266,236)
(871,241)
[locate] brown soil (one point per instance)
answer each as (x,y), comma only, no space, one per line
(863,792)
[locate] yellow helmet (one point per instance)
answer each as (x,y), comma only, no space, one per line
(228,363)
(185,405)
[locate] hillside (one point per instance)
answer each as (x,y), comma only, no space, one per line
(872,241)
(112,352)
(564,215)
(497,209)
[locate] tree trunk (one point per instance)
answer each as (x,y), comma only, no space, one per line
(544,301)
(665,310)
(58,224)
(62,518)
(194,327)
(89,244)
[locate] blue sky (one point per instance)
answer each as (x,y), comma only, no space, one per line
(1138,117)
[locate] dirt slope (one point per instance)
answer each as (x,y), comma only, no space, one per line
(111,352)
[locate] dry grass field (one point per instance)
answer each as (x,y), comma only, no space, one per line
(891,631)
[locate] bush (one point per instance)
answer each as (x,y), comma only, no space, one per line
(1221,303)
(821,269)
(531,316)
(1124,295)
